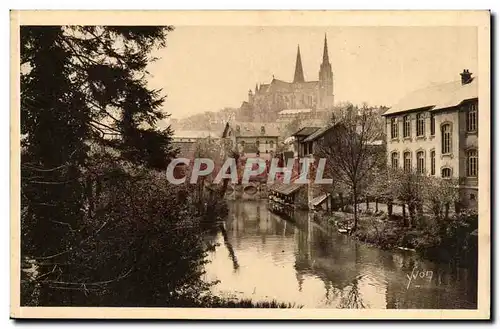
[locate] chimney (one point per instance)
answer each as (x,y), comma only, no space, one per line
(466,77)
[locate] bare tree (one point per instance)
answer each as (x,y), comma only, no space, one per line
(352,151)
(440,194)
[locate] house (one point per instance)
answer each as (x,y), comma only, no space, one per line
(253,138)
(306,139)
(185,141)
(434,130)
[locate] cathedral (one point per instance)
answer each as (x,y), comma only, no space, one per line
(269,100)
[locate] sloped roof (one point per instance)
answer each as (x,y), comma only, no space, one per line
(286,189)
(277,85)
(306,131)
(317,134)
(319,199)
(437,96)
(251,129)
(307,84)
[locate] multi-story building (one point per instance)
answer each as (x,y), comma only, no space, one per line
(434,130)
(253,138)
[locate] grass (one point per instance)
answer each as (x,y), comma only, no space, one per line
(248,303)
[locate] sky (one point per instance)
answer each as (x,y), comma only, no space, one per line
(207,68)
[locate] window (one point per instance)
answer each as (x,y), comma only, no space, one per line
(472,163)
(407,161)
(433,162)
(446,172)
(472,118)
(420,124)
(446,139)
(472,197)
(420,162)
(406,126)
(257,143)
(271,144)
(394,160)
(433,124)
(394,128)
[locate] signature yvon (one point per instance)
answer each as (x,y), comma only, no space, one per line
(416,273)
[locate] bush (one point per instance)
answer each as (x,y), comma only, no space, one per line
(142,245)
(382,234)
(451,239)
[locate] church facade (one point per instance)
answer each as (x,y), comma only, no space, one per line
(268,100)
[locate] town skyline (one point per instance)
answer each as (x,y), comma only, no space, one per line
(369,65)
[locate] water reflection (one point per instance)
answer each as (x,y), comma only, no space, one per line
(264,257)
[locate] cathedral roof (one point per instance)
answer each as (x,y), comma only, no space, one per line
(277,85)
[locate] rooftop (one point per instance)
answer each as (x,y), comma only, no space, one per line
(285,189)
(305,131)
(317,134)
(252,129)
(294,111)
(277,85)
(436,97)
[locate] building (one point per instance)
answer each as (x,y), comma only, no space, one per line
(185,141)
(253,138)
(434,130)
(269,99)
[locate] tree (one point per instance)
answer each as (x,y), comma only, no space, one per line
(83,90)
(409,187)
(352,150)
(440,194)
(84,97)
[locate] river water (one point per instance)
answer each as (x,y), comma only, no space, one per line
(264,257)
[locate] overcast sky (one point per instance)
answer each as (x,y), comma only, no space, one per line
(209,68)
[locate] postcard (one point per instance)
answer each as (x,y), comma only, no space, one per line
(250,164)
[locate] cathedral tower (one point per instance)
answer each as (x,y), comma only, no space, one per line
(299,74)
(325,80)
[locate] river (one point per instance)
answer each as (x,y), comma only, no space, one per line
(261,256)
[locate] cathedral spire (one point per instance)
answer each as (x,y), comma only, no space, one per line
(325,52)
(299,74)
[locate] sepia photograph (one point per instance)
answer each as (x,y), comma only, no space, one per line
(322,164)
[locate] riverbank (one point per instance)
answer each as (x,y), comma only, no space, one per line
(453,239)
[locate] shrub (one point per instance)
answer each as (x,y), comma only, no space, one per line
(451,239)
(141,246)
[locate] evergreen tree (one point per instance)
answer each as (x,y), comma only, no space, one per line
(83,88)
